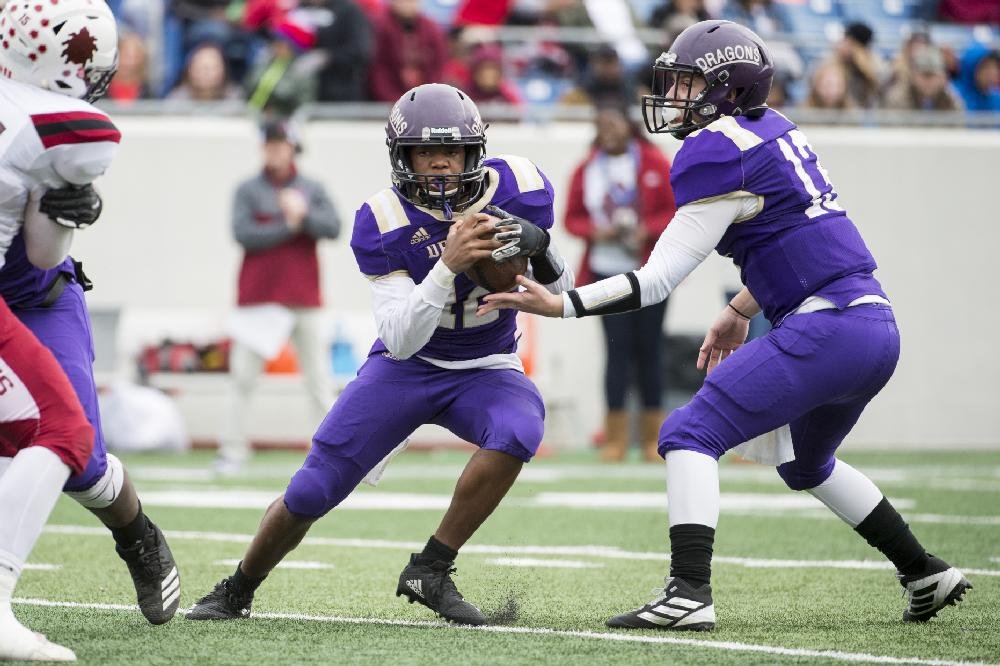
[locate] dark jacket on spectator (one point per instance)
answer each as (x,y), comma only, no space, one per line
(655,203)
(347,43)
(279,265)
(405,56)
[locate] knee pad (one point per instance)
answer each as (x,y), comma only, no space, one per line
(315,490)
(106,489)
(797,478)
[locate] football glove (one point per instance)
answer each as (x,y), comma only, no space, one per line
(73,206)
(520,238)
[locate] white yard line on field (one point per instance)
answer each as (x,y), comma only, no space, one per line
(605,552)
(729,646)
(543,564)
(284,564)
(34,566)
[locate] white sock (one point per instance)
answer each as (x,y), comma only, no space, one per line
(28,492)
(692,488)
(848,493)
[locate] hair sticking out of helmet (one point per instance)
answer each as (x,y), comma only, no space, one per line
(713,69)
(437,114)
(69,47)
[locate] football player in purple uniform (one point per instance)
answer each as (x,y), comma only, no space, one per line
(749,185)
(435,361)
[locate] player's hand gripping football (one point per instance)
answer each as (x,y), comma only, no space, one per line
(520,237)
(725,336)
(534,298)
(470,239)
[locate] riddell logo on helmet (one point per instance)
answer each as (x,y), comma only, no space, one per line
(728,55)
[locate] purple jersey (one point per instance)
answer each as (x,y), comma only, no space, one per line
(801,242)
(393,235)
(22,285)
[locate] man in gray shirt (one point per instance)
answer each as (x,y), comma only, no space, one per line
(278,216)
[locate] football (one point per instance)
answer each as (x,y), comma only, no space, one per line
(497,277)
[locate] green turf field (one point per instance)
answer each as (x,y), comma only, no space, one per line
(574,543)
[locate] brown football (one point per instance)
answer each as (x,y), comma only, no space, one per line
(495,277)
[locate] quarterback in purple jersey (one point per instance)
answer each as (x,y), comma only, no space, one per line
(435,361)
(749,185)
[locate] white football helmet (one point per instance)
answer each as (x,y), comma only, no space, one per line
(66,46)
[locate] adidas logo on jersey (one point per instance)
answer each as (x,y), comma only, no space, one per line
(416,585)
(420,236)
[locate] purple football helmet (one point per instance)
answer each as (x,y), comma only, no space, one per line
(435,113)
(735,65)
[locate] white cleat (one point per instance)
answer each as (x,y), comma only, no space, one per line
(18,643)
(930,591)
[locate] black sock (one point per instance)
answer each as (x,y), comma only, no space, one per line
(886,530)
(435,550)
(131,534)
(691,552)
(243,582)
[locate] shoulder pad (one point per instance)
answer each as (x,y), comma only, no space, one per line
(525,172)
(388,211)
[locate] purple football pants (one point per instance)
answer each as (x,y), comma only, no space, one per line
(64,328)
(815,372)
(499,410)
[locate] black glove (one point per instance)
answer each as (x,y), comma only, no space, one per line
(520,237)
(73,206)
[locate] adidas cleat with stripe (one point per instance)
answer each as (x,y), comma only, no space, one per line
(678,607)
(939,585)
(429,583)
(154,574)
(224,602)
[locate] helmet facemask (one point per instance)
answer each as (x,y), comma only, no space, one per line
(449,193)
(675,96)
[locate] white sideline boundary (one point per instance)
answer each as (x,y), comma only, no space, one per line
(605,552)
(730,646)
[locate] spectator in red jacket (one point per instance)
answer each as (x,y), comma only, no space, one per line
(620,202)
(410,50)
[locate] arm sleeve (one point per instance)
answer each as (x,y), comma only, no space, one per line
(322,220)
(248,233)
(406,314)
(692,234)
(46,242)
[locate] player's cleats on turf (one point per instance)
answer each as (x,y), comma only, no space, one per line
(678,606)
(927,592)
(154,574)
(18,643)
(430,584)
(225,602)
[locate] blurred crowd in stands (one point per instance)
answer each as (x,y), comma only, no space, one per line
(276,55)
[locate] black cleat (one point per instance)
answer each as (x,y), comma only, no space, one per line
(154,574)
(927,592)
(430,584)
(222,603)
(678,607)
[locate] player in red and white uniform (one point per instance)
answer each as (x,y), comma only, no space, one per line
(55,57)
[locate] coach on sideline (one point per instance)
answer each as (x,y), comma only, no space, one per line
(278,215)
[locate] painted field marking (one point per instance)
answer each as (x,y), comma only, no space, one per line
(34,566)
(729,646)
(284,564)
(543,564)
(606,552)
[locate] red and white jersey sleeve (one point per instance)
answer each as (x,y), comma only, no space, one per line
(47,141)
